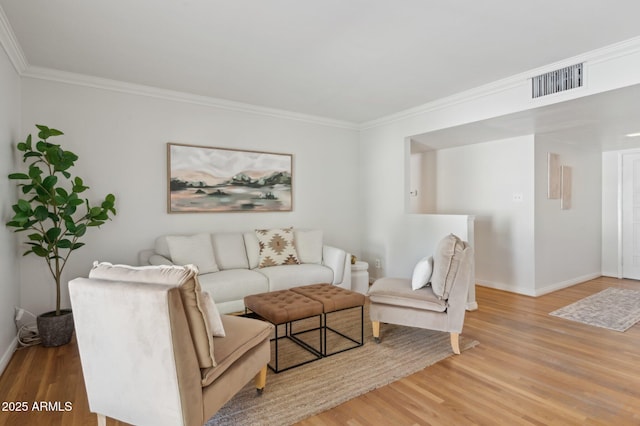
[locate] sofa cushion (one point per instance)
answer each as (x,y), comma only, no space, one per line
(398,292)
(193,249)
(277,247)
(422,273)
(308,243)
(233,284)
(287,276)
(243,334)
(446,261)
(252,245)
(156,259)
(184,277)
(229,250)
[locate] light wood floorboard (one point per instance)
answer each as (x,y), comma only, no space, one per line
(529,369)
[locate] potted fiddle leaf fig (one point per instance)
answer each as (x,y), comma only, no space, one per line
(49,209)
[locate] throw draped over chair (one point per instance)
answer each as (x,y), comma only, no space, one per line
(439,306)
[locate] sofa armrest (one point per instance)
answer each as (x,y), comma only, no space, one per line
(144,256)
(126,335)
(338,260)
(150,257)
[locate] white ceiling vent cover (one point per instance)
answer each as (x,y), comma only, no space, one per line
(557,81)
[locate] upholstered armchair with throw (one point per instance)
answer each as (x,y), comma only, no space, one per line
(153,349)
(434,298)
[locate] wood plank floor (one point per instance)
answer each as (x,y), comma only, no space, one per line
(529,369)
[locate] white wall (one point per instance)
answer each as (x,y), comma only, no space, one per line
(482,180)
(121,141)
(568,242)
(9,135)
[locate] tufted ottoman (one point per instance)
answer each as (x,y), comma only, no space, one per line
(334,299)
(286,307)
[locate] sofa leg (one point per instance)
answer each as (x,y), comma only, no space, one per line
(102,420)
(261,379)
(455,344)
(376,330)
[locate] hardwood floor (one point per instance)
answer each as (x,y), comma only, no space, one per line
(529,369)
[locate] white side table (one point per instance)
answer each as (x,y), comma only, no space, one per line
(360,277)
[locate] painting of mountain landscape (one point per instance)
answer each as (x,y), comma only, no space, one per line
(203,179)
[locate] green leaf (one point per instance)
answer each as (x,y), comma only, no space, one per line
(19,176)
(49,182)
(42,146)
(28,143)
(46,132)
(24,206)
(80,230)
(66,174)
(52,234)
(34,172)
(26,189)
(40,251)
(62,192)
(41,213)
(76,246)
(64,244)
(31,154)
(35,237)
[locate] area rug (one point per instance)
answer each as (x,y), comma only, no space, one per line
(614,308)
(296,394)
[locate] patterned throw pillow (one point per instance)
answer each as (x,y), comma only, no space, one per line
(276,247)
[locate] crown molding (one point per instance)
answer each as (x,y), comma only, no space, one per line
(10,44)
(607,53)
(177,96)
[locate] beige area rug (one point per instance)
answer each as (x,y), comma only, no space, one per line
(614,308)
(296,394)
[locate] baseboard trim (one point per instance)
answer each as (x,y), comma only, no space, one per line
(568,283)
(505,287)
(540,291)
(6,357)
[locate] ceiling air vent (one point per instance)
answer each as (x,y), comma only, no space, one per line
(557,81)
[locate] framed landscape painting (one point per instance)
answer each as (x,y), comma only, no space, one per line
(204,179)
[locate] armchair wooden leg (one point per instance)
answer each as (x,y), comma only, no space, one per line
(376,330)
(455,344)
(102,420)
(261,379)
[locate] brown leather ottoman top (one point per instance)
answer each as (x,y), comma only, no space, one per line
(279,307)
(333,298)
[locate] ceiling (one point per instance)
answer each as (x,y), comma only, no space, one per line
(353,61)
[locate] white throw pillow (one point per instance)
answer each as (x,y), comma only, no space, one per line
(213,316)
(308,243)
(422,273)
(195,249)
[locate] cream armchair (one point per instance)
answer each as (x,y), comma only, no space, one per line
(438,306)
(147,352)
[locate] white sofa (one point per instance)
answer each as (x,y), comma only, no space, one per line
(229,264)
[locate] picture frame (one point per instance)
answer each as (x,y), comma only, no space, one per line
(565,201)
(203,179)
(553,176)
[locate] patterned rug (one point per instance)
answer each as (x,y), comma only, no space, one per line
(296,394)
(614,308)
